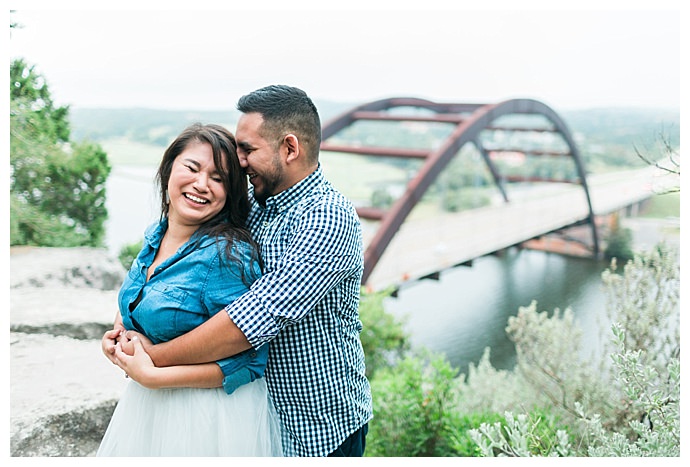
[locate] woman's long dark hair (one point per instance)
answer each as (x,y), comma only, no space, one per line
(231,221)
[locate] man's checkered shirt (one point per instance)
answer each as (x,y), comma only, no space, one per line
(306,305)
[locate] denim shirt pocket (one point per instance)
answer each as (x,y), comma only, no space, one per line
(169,315)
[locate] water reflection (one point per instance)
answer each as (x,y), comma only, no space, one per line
(467,310)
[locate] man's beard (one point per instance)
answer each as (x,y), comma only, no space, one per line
(271,180)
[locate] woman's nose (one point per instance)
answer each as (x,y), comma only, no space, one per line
(201,182)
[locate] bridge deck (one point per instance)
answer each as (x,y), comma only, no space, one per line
(423,247)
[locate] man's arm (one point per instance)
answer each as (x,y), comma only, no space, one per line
(213,340)
(140,368)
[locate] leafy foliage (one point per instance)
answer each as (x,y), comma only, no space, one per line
(559,400)
(383,338)
(57,189)
(619,243)
(652,395)
(415,409)
(32,105)
(128,254)
(644,301)
(627,405)
(526,435)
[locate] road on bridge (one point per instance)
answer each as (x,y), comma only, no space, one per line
(424,247)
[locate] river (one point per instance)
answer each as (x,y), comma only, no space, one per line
(468,309)
(459,315)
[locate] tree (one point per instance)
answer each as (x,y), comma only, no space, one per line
(668,165)
(57,187)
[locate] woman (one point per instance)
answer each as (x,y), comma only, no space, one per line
(194,261)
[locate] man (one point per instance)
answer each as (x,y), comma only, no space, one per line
(306,303)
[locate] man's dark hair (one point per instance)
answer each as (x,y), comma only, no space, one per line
(285,109)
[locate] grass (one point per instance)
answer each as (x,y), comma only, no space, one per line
(662,206)
(358,176)
(125,152)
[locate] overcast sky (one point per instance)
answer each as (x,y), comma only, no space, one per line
(598,54)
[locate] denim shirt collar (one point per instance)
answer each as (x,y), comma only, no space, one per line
(154,235)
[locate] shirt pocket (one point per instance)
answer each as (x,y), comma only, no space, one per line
(170,312)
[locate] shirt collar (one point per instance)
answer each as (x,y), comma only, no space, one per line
(287,198)
(154,235)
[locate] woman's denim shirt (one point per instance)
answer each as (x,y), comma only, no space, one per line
(185,290)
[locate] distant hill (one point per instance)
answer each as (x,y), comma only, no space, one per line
(159,127)
(624,125)
(606,136)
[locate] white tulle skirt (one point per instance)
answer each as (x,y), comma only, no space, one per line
(193,422)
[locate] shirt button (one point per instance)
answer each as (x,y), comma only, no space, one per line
(265,224)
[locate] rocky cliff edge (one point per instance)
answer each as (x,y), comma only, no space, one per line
(62,388)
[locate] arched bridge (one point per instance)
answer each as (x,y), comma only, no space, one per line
(446,155)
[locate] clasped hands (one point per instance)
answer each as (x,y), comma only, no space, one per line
(126,349)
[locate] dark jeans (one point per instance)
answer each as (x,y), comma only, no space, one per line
(354,445)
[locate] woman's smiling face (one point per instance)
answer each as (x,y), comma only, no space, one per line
(195,187)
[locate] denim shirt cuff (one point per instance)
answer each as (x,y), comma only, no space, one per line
(243,368)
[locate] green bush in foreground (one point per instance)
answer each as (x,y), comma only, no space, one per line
(558,401)
(415,409)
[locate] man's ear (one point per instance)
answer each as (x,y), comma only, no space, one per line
(291,145)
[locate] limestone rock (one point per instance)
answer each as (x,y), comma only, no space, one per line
(62,388)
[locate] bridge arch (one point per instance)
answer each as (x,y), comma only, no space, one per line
(470,121)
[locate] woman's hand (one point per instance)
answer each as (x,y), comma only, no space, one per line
(135,362)
(109,340)
(127,344)
(141,368)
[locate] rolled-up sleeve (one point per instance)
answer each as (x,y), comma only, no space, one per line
(321,246)
(243,368)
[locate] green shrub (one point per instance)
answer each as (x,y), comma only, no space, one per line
(415,409)
(526,435)
(462,442)
(560,400)
(628,403)
(128,254)
(653,397)
(383,337)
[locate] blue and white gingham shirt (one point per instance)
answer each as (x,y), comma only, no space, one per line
(306,304)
